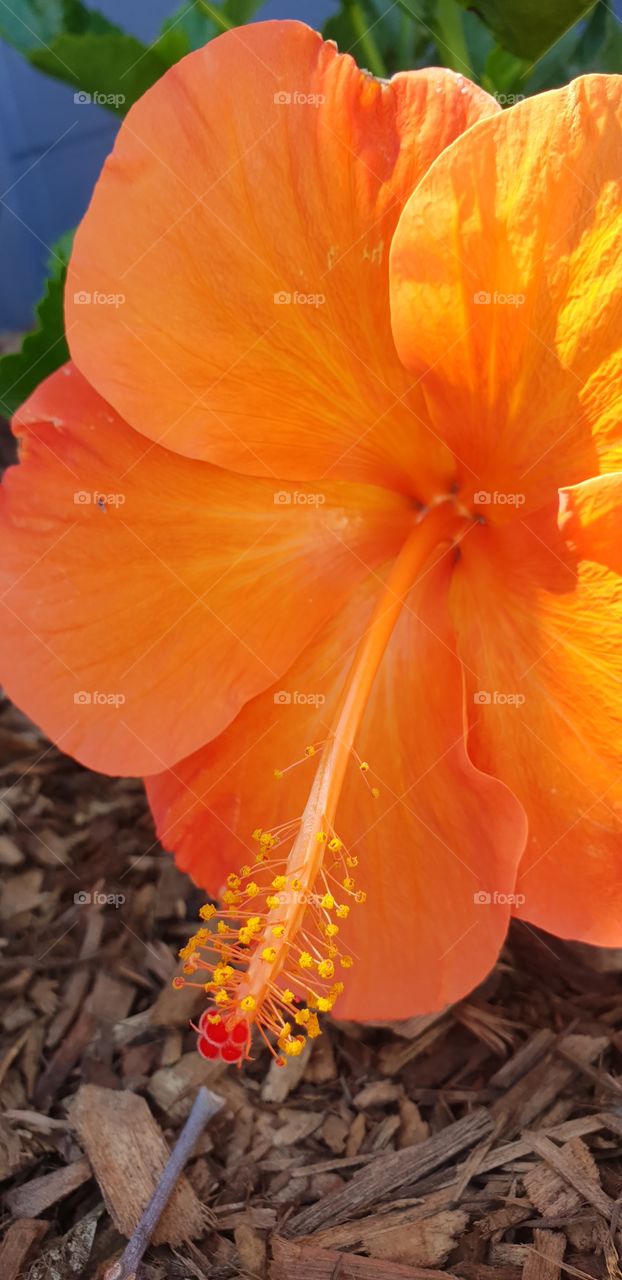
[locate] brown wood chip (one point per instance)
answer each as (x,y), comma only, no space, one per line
(128,1153)
(568,1164)
(34,1197)
(290,1258)
(19,1241)
(390,1172)
(544,1259)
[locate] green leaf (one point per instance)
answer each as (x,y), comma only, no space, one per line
(81,47)
(450,37)
(112,70)
(383,37)
(504,75)
(45,349)
(528,28)
(39,22)
(197,21)
(600,45)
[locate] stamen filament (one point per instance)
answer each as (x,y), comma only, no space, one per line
(282,945)
(434,527)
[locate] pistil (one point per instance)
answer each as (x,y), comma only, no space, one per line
(276,970)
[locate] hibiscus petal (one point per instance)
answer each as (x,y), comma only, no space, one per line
(145,596)
(245,218)
(539,631)
(590,519)
(438,849)
(507,294)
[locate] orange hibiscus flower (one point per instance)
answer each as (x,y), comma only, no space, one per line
(339,346)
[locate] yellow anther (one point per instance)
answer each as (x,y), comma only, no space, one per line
(326,969)
(257,833)
(269,955)
(278,930)
(214,1018)
(245,871)
(361,896)
(230,898)
(267,839)
(335,844)
(222,973)
(348,883)
(321,837)
(305,960)
(221,927)
(287,996)
(328,901)
(296,884)
(324,1004)
(346,962)
(352,861)
(272,901)
(278,773)
(313,1027)
(310,751)
(331,930)
(302,1017)
(207,911)
(375,793)
(248,1003)
(279,882)
(364,767)
(332,951)
(293,1046)
(245,936)
(343,911)
(251,889)
(221,996)
(233,881)
(254,923)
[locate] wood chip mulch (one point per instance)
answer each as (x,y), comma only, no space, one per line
(483,1143)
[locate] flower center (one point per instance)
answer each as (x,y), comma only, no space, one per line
(277,944)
